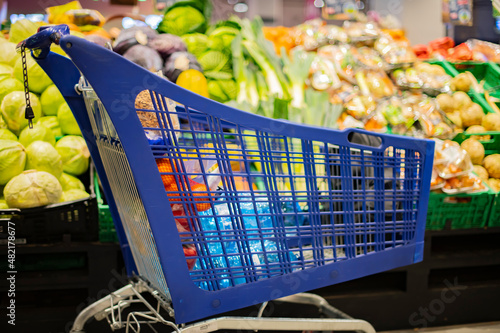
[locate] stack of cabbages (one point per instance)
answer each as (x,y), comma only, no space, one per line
(38,166)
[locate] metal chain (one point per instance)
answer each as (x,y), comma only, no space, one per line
(28,113)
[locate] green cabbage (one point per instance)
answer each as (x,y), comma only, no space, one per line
(12,160)
(215,61)
(22,29)
(69,182)
(51,99)
(5,134)
(3,124)
(5,71)
(222,90)
(74,194)
(43,157)
(75,154)
(3,204)
(9,85)
(37,133)
(13,106)
(182,20)
(196,43)
(38,80)
(52,123)
(8,54)
(67,120)
(32,188)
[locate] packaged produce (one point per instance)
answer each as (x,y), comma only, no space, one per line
(468,183)
(368,58)
(491,122)
(322,74)
(334,34)
(398,113)
(360,106)
(452,161)
(309,36)
(375,83)
(436,181)
(343,59)
(359,32)
(395,53)
(484,51)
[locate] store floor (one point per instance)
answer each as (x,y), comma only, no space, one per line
(493,327)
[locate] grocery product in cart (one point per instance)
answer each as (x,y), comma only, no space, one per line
(321,206)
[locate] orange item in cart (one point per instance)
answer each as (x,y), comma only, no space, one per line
(169,182)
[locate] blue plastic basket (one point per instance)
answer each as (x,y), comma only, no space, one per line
(291,207)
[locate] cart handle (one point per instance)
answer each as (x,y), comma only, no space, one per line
(40,42)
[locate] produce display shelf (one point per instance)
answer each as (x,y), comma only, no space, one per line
(495,212)
(460,211)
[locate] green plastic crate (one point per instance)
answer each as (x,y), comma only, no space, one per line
(488,72)
(491,146)
(461,211)
(107,231)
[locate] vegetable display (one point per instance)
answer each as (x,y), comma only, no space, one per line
(31,162)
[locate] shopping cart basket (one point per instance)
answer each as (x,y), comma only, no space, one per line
(221,209)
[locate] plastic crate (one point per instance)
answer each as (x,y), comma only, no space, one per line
(68,221)
(483,71)
(461,211)
(491,146)
(107,231)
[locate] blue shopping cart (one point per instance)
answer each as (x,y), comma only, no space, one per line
(218,209)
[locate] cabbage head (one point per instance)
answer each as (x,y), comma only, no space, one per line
(8,53)
(5,72)
(12,160)
(69,182)
(3,204)
(196,43)
(75,154)
(32,188)
(42,156)
(182,20)
(74,194)
(22,29)
(13,106)
(3,124)
(52,123)
(5,134)
(67,120)
(38,133)
(38,80)
(222,90)
(9,85)
(51,99)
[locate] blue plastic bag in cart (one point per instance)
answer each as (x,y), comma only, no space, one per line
(223,242)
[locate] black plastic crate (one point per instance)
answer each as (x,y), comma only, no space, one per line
(69,221)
